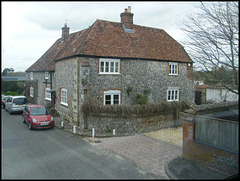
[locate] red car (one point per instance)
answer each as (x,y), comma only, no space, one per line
(37,117)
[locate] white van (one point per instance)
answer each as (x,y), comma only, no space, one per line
(15,104)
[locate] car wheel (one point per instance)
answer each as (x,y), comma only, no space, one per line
(29,126)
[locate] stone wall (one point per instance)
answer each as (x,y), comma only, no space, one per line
(128,126)
(142,75)
(39,88)
(80,76)
(66,72)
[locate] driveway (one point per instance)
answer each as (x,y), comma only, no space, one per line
(148,153)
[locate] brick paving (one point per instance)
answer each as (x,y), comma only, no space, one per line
(148,153)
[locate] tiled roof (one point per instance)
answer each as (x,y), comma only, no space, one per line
(108,39)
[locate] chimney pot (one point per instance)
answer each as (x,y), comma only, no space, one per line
(129,9)
(127,18)
(65,31)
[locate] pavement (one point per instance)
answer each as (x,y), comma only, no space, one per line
(157,157)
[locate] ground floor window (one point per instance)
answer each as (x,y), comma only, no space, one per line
(31,92)
(48,94)
(111,97)
(64,97)
(173,94)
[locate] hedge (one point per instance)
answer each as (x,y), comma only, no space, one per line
(92,107)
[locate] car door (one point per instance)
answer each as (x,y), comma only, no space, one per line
(8,103)
(26,114)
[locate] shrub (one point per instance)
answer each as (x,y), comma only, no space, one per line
(141,99)
(91,106)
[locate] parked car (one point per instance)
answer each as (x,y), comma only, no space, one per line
(15,104)
(37,117)
(4,100)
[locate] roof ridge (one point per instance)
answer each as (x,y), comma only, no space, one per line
(88,31)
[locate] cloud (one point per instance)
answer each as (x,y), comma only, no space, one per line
(30,28)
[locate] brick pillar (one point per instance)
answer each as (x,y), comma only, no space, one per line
(188,132)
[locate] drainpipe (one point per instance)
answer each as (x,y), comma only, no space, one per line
(78,93)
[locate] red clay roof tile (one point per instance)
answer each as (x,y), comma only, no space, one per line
(108,39)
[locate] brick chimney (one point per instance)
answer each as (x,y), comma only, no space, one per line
(127,18)
(65,31)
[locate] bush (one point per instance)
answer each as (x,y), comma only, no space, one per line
(141,99)
(91,106)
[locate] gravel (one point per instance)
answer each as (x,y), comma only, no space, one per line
(172,135)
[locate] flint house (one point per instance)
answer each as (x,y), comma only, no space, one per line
(113,61)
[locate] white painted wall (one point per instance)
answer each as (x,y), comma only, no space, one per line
(216,95)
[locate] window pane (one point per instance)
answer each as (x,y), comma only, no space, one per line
(169,95)
(106,66)
(170,69)
(107,99)
(176,94)
(172,95)
(176,69)
(102,67)
(112,67)
(116,99)
(116,67)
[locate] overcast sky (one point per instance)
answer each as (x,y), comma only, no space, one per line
(30,28)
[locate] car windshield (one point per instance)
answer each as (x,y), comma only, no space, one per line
(19,101)
(5,98)
(35,111)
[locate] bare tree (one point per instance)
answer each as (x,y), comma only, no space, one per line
(213,41)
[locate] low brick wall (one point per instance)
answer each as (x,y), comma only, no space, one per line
(201,152)
(128,126)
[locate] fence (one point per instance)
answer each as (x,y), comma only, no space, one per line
(219,133)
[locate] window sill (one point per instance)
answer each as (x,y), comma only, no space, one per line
(102,73)
(48,99)
(64,104)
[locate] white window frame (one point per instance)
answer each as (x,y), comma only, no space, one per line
(173,68)
(31,92)
(47,75)
(64,97)
(112,93)
(109,66)
(173,94)
(48,94)
(31,75)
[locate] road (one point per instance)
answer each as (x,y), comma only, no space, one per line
(56,154)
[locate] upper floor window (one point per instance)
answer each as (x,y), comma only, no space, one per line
(47,75)
(109,66)
(48,94)
(112,97)
(64,97)
(173,68)
(31,75)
